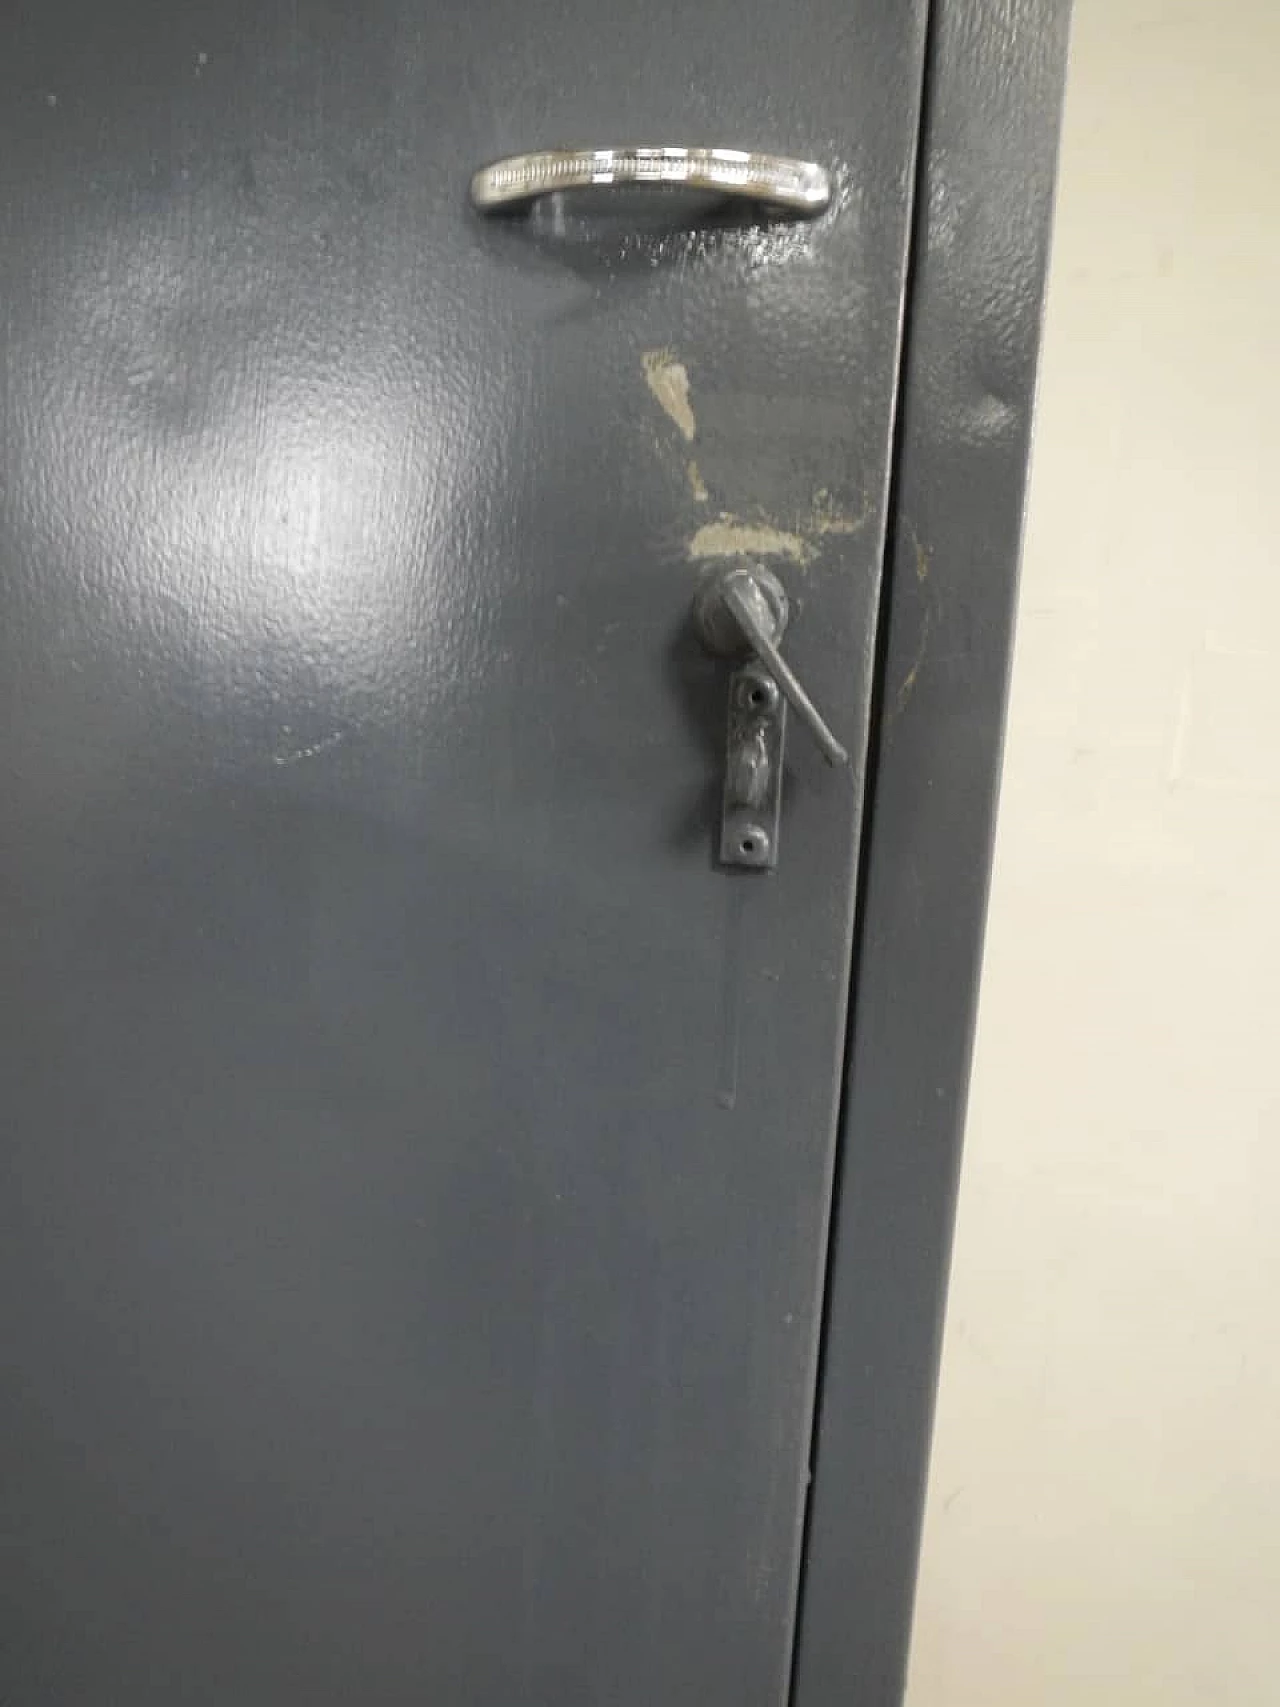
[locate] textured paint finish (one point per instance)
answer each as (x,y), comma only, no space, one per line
(416,1152)
(996,74)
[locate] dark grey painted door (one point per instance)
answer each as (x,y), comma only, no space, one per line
(416,1154)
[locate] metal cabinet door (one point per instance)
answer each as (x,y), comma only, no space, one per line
(417,1152)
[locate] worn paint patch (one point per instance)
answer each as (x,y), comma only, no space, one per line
(668,379)
(907,685)
(729,536)
(826,519)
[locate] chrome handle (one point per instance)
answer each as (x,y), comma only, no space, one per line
(798,186)
(744,608)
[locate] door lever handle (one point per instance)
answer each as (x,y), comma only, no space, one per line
(796,186)
(741,611)
(745,609)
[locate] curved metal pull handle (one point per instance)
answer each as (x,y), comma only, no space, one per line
(745,608)
(798,186)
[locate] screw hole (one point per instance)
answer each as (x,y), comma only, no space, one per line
(758,696)
(748,844)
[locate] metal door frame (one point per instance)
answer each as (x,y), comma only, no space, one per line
(984,193)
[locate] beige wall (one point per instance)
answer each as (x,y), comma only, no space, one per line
(1104,1518)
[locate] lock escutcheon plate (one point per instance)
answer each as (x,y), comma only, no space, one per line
(751,812)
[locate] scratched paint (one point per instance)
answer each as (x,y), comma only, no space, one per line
(729,536)
(905,688)
(668,380)
(290,754)
(826,519)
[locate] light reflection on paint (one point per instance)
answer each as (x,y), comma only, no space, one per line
(261,488)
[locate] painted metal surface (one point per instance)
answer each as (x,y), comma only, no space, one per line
(417,1153)
(988,156)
